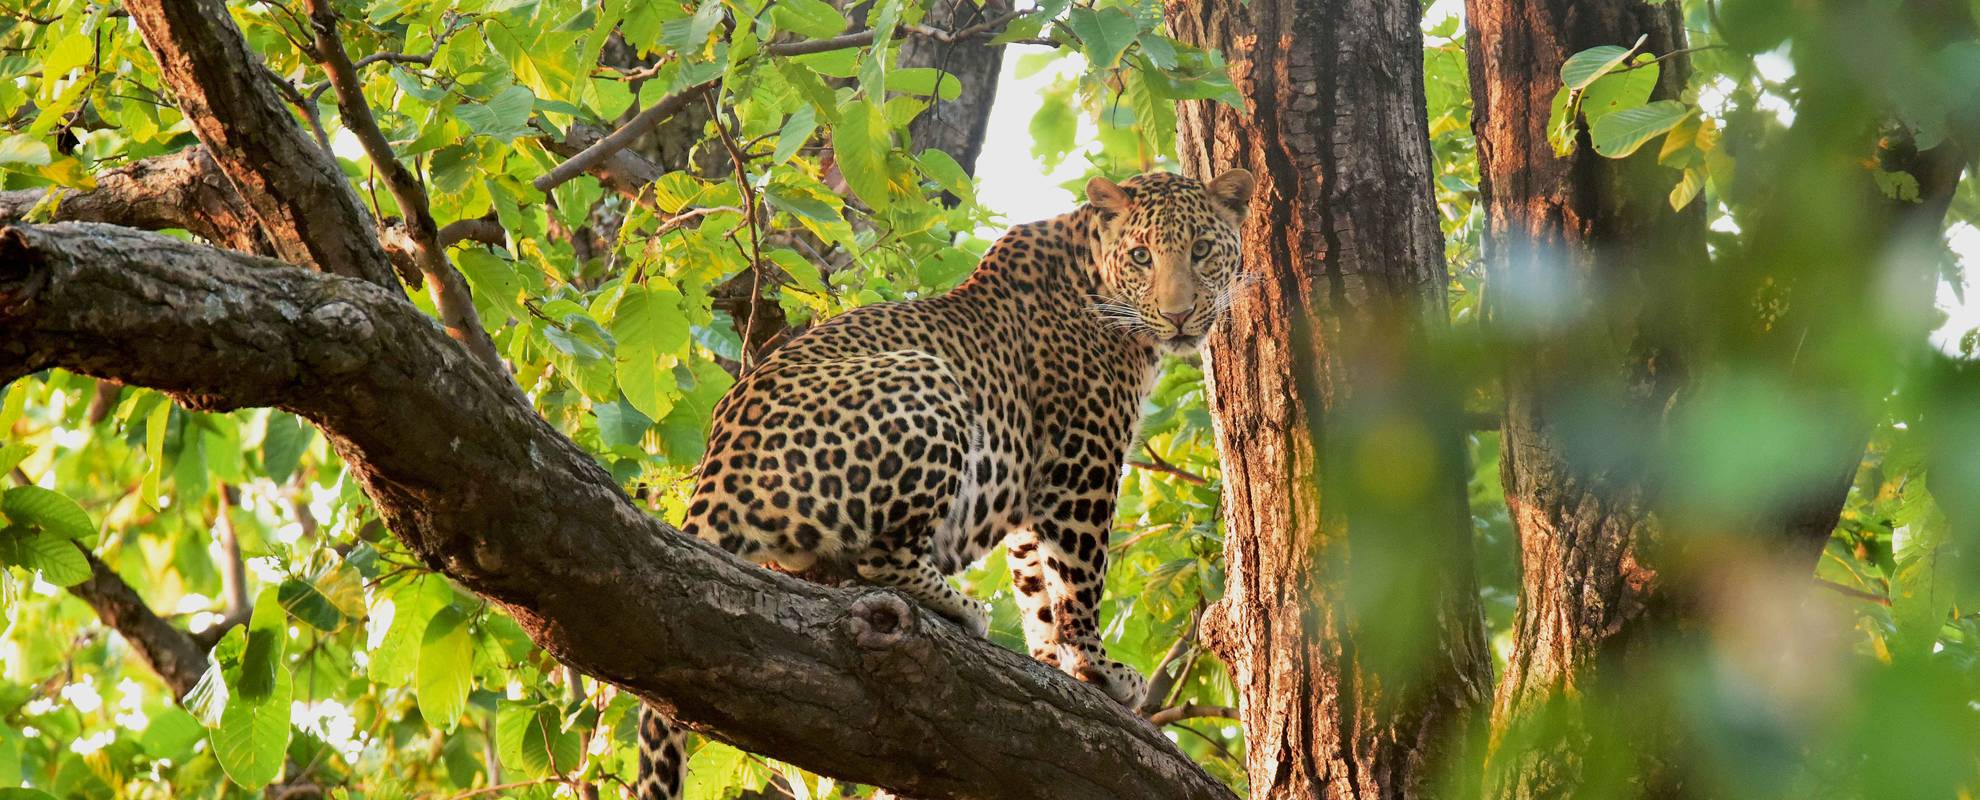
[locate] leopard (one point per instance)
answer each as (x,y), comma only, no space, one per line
(906,440)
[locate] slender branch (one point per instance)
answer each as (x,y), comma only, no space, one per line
(595,155)
(173,654)
(1155,463)
(1850,591)
(1161,681)
(451,296)
(1185,711)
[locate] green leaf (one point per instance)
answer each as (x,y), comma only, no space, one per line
(531,740)
(494,280)
(925,81)
(813,18)
(1617,91)
(56,559)
(503,117)
(796,131)
(1897,185)
(1619,134)
(24,150)
(154,450)
(48,510)
(305,603)
(948,174)
(12,455)
(1686,189)
(1104,35)
(253,737)
(650,320)
(260,666)
(171,734)
(283,445)
(446,656)
(860,141)
(620,424)
(800,269)
(25,794)
(648,384)
(1581,69)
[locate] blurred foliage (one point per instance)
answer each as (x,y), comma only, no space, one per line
(361,671)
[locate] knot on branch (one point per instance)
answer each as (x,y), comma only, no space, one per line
(880,620)
(19,261)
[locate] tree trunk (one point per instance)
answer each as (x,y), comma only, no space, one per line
(957,126)
(1357,660)
(1628,306)
(1581,223)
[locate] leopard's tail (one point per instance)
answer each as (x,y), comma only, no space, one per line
(662,756)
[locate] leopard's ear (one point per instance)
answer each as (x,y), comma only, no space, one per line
(1231,192)
(1107,196)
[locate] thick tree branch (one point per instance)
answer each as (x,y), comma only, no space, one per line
(173,654)
(855,683)
(451,297)
(285,180)
(184,190)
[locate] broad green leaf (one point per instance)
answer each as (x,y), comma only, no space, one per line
(171,734)
(925,81)
(446,658)
(260,666)
(52,512)
(620,424)
(1627,88)
(503,117)
(305,603)
(650,320)
(800,269)
(816,19)
(12,455)
(253,737)
(208,698)
(396,657)
(1619,134)
(24,794)
(493,280)
(23,150)
(1104,34)
(531,740)
(55,558)
(647,384)
(1686,189)
(796,132)
(860,141)
(948,174)
(1581,69)
(283,445)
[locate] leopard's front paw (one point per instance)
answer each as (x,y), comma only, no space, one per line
(1118,680)
(974,618)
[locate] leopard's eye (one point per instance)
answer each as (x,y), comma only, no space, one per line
(1201,249)
(1139,255)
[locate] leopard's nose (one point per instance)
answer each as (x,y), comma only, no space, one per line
(1177,318)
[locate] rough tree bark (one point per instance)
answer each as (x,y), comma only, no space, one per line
(1587,223)
(1351,686)
(289,183)
(1599,233)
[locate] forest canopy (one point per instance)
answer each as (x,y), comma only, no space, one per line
(1718,352)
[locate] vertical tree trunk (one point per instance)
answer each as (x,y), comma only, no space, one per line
(1356,657)
(957,126)
(1574,227)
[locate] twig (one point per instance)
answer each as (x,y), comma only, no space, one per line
(1185,711)
(1155,463)
(1161,680)
(1851,591)
(451,296)
(1671,54)
(622,138)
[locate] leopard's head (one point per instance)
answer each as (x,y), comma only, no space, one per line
(1168,252)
